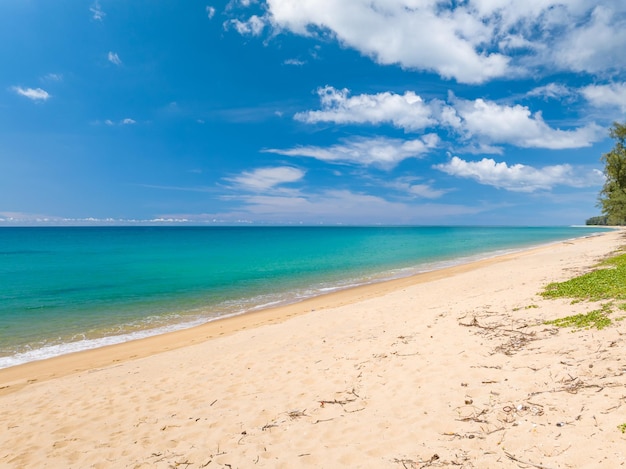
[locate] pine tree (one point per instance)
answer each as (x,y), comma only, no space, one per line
(612,198)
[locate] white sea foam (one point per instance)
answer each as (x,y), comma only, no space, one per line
(49,351)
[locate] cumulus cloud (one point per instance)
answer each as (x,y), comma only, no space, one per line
(472,41)
(210,11)
(34,94)
(129,121)
(611,95)
(383,152)
(491,122)
(519,177)
(114,58)
(481,123)
(414,35)
(593,43)
(264,179)
(407,111)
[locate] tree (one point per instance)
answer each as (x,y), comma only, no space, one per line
(601,220)
(612,198)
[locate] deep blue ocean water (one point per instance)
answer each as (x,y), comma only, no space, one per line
(66,289)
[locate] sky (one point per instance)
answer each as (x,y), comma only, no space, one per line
(354,112)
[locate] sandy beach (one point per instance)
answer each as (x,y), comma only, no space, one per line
(453,368)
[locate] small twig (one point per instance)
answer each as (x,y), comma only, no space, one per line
(322,420)
(539,466)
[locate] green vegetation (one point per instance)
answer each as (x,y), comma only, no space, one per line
(606,283)
(622,427)
(612,197)
(601,220)
(597,319)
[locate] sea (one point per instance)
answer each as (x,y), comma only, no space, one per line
(65,289)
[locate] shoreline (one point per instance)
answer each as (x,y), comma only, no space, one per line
(15,377)
(453,367)
(380,279)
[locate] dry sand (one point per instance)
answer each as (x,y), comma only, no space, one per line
(450,369)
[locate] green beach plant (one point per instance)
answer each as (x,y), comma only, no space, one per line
(622,427)
(596,319)
(607,282)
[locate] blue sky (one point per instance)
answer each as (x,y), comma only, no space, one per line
(307,111)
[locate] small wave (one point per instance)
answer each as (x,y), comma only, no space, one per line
(54,350)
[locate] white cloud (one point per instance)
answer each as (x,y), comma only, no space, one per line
(481,123)
(519,177)
(244,3)
(418,35)
(413,189)
(593,43)
(551,91)
(253,26)
(114,58)
(52,77)
(35,94)
(295,62)
(264,179)
(611,95)
(210,11)
(128,121)
(516,125)
(407,111)
(382,152)
(345,207)
(96,11)
(471,41)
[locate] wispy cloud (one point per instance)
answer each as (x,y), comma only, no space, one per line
(34,94)
(114,58)
(52,77)
(342,206)
(264,179)
(210,11)
(296,62)
(96,11)
(383,152)
(109,122)
(551,91)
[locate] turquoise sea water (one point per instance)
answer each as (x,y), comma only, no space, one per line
(67,289)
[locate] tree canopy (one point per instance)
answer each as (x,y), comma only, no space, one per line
(612,197)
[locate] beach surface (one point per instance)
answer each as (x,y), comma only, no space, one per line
(453,368)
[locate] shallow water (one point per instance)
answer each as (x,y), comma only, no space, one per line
(67,289)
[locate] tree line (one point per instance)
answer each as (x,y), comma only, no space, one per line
(612,198)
